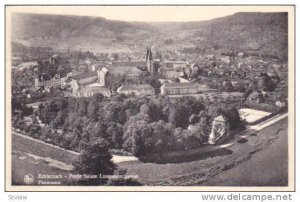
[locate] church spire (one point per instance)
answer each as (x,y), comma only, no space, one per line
(149,60)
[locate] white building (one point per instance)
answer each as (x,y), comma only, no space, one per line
(139,90)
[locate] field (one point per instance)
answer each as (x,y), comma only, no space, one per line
(202,170)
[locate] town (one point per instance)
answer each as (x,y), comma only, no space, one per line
(147,105)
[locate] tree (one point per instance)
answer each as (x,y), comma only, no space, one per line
(199,131)
(59,120)
(115,133)
(134,137)
(233,117)
(92,109)
(113,111)
(155,83)
(193,119)
(115,56)
(96,130)
(82,107)
(265,82)
(227,85)
(98,97)
(95,160)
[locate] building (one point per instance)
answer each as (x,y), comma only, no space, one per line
(89,91)
(47,82)
(88,84)
(27,65)
(139,64)
(220,130)
(130,72)
(177,64)
(257,96)
(54,59)
(225,59)
(139,90)
(183,88)
(169,74)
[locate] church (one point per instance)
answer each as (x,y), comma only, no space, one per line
(91,83)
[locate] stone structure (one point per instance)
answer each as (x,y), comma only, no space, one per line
(220,130)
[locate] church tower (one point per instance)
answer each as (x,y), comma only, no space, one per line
(149,60)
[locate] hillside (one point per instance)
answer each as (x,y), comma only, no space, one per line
(264,33)
(75,31)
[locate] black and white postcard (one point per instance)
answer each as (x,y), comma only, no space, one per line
(150,98)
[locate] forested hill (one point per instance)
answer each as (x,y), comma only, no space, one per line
(39,25)
(261,32)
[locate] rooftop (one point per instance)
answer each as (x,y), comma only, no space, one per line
(84,75)
(129,64)
(92,89)
(219,118)
(178,85)
(177,62)
(136,87)
(127,70)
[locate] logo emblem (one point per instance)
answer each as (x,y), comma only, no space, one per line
(28,179)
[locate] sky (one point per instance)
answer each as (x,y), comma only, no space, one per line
(147,13)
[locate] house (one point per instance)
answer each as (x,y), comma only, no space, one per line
(220,130)
(139,90)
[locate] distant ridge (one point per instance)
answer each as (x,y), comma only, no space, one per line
(264,32)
